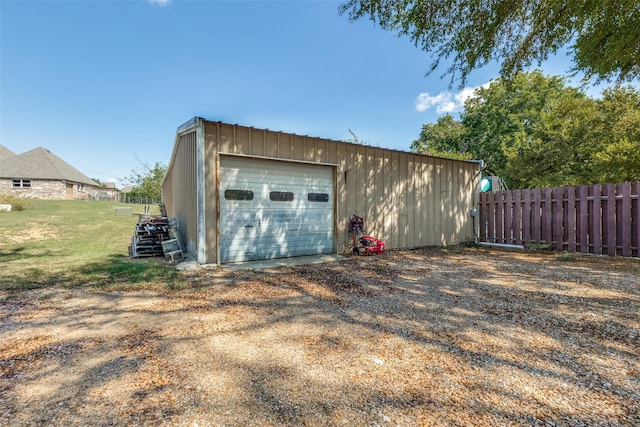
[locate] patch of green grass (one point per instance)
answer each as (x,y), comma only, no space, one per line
(540,246)
(75,243)
(566,256)
(123,273)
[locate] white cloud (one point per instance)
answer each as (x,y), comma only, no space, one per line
(426,101)
(445,102)
(159,2)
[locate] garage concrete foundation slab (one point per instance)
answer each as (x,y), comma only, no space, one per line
(282,262)
(190,264)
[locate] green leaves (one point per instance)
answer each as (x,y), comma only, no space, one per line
(608,43)
(147,182)
(618,156)
(518,33)
(446,138)
(534,131)
(556,151)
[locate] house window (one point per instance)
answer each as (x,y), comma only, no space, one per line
(281,196)
(318,197)
(238,194)
(21,183)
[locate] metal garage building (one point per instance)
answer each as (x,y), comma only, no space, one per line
(241,193)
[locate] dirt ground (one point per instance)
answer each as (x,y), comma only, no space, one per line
(428,337)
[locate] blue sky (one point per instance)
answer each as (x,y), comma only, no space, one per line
(105,84)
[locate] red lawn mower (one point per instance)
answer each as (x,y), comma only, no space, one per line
(363,245)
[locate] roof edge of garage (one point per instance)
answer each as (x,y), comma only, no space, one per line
(192,121)
(277,159)
(190,124)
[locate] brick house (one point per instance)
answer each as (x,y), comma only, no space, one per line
(40,174)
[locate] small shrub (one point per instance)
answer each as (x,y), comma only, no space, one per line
(472,244)
(566,256)
(16,203)
(540,246)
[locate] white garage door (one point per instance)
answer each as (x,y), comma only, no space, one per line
(271,209)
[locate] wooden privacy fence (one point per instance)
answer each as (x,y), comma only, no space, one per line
(596,219)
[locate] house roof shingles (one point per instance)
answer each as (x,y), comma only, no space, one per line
(5,153)
(40,163)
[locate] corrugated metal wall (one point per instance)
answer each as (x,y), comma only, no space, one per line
(179,189)
(406,199)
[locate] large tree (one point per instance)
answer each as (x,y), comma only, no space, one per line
(500,118)
(618,156)
(558,147)
(147,181)
(580,140)
(602,35)
(535,131)
(445,138)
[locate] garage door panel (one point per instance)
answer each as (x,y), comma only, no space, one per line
(241,248)
(239,219)
(273,221)
(262,228)
(310,240)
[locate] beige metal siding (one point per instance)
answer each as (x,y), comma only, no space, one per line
(179,189)
(408,200)
(210,201)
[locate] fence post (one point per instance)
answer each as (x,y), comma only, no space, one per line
(609,219)
(570,215)
(547,213)
(536,211)
(484,217)
(635,217)
(595,220)
(583,218)
(516,224)
(526,218)
(500,217)
(624,218)
(557,217)
(492,218)
(507,219)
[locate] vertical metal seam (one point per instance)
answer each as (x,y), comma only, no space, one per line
(201,188)
(335,209)
(217,166)
(218,196)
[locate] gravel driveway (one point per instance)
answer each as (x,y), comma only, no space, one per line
(429,337)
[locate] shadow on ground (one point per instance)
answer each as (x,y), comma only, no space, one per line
(477,337)
(114,272)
